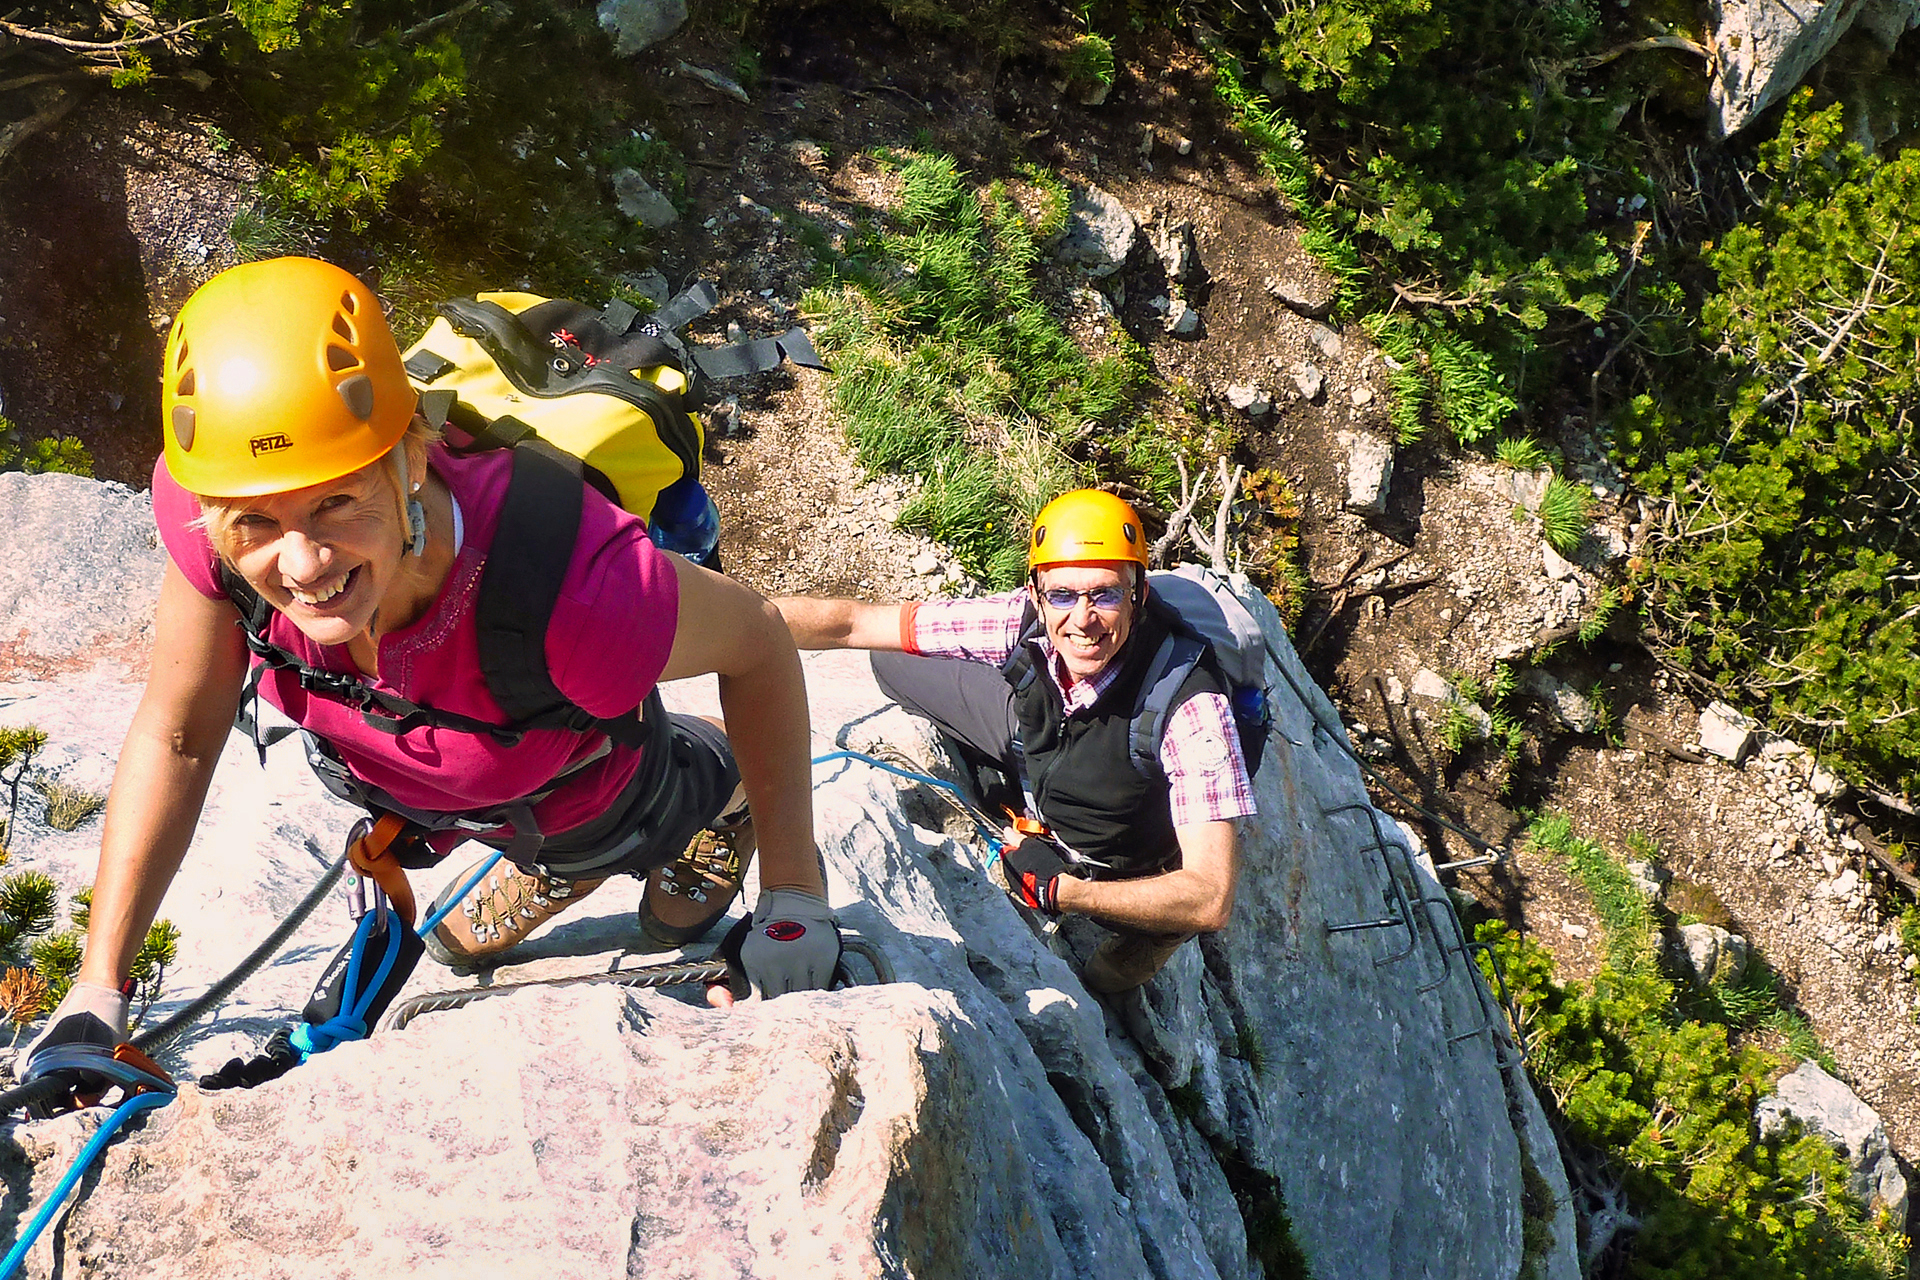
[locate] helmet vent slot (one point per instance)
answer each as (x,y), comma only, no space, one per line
(339,359)
(185,385)
(357,392)
(180,356)
(183,426)
(343,326)
(349,303)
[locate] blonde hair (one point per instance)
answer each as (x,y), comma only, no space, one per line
(217,515)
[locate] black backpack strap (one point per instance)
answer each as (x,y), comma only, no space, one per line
(427,366)
(618,316)
(1019,669)
(743,358)
(385,711)
(519,352)
(1179,653)
(690,304)
(532,545)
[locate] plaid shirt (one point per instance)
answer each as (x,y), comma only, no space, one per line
(1199,749)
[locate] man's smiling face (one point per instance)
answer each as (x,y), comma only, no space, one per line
(1086,635)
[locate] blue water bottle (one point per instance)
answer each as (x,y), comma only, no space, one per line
(685,520)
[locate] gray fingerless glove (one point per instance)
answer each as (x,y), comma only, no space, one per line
(793,944)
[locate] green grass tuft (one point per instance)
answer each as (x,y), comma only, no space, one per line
(1566,513)
(1522,453)
(1625,914)
(952,369)
(1089,61)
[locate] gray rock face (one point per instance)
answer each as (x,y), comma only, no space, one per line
(1179,252)
(1310,297)
(1827,1107)
(639,201)
(1764,49)
(984,1116)
(83,577)
(1369,471)
(1308,381)
(1571,707)
(638,25)
(1099,233)
(1712,954)
(1726,733)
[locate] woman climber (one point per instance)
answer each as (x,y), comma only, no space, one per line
(313,516)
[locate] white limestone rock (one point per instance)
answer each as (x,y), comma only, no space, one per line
(1369,471)
(1325,341)
(1764,49)
(68,600)
(1308,381)
(1558,567)
(1310,298)
(1174,243)
(1827,1107)
(638,25)
(1182,320)
(1099,232)
(639,201)
(1249,399)
(1571,707)
(1727,733)
(1712,955)
(985,1116)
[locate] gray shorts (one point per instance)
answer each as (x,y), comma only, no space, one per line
(676,792)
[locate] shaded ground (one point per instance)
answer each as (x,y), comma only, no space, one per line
(108,222)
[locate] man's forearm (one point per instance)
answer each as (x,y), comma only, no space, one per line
(840,624)
(1173,902)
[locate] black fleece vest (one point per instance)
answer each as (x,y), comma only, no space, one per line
(1085,787)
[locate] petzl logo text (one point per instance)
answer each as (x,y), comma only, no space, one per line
(269,443)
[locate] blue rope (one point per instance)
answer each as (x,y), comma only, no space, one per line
(455,898)
(351,1023)
(121,1114)
(994,843)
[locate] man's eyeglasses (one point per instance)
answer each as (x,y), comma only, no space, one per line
(1106,599)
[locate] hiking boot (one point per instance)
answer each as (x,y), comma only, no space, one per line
(685,897)
(1126,960)
(499,912)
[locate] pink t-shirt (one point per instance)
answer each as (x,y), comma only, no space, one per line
(612,630)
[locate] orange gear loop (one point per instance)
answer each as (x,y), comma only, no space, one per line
(372,855)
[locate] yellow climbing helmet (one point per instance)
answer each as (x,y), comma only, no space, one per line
(279,375)
(1085,525)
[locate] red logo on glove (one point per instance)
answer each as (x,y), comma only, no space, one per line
(786,931)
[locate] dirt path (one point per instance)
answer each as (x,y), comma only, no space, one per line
(108,222)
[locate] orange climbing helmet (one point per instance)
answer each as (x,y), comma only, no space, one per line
(279,375)
(1086,525)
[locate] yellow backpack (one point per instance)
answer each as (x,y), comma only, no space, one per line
(610,386)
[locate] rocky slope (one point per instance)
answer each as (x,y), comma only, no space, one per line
(982,1115)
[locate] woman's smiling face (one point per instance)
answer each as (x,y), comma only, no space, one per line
(325,556)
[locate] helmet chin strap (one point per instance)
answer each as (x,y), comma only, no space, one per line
(416,539)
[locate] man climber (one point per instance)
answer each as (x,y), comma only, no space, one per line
(1041,685)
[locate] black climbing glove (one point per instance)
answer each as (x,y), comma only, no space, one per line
(1033,869)
(274,1060)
